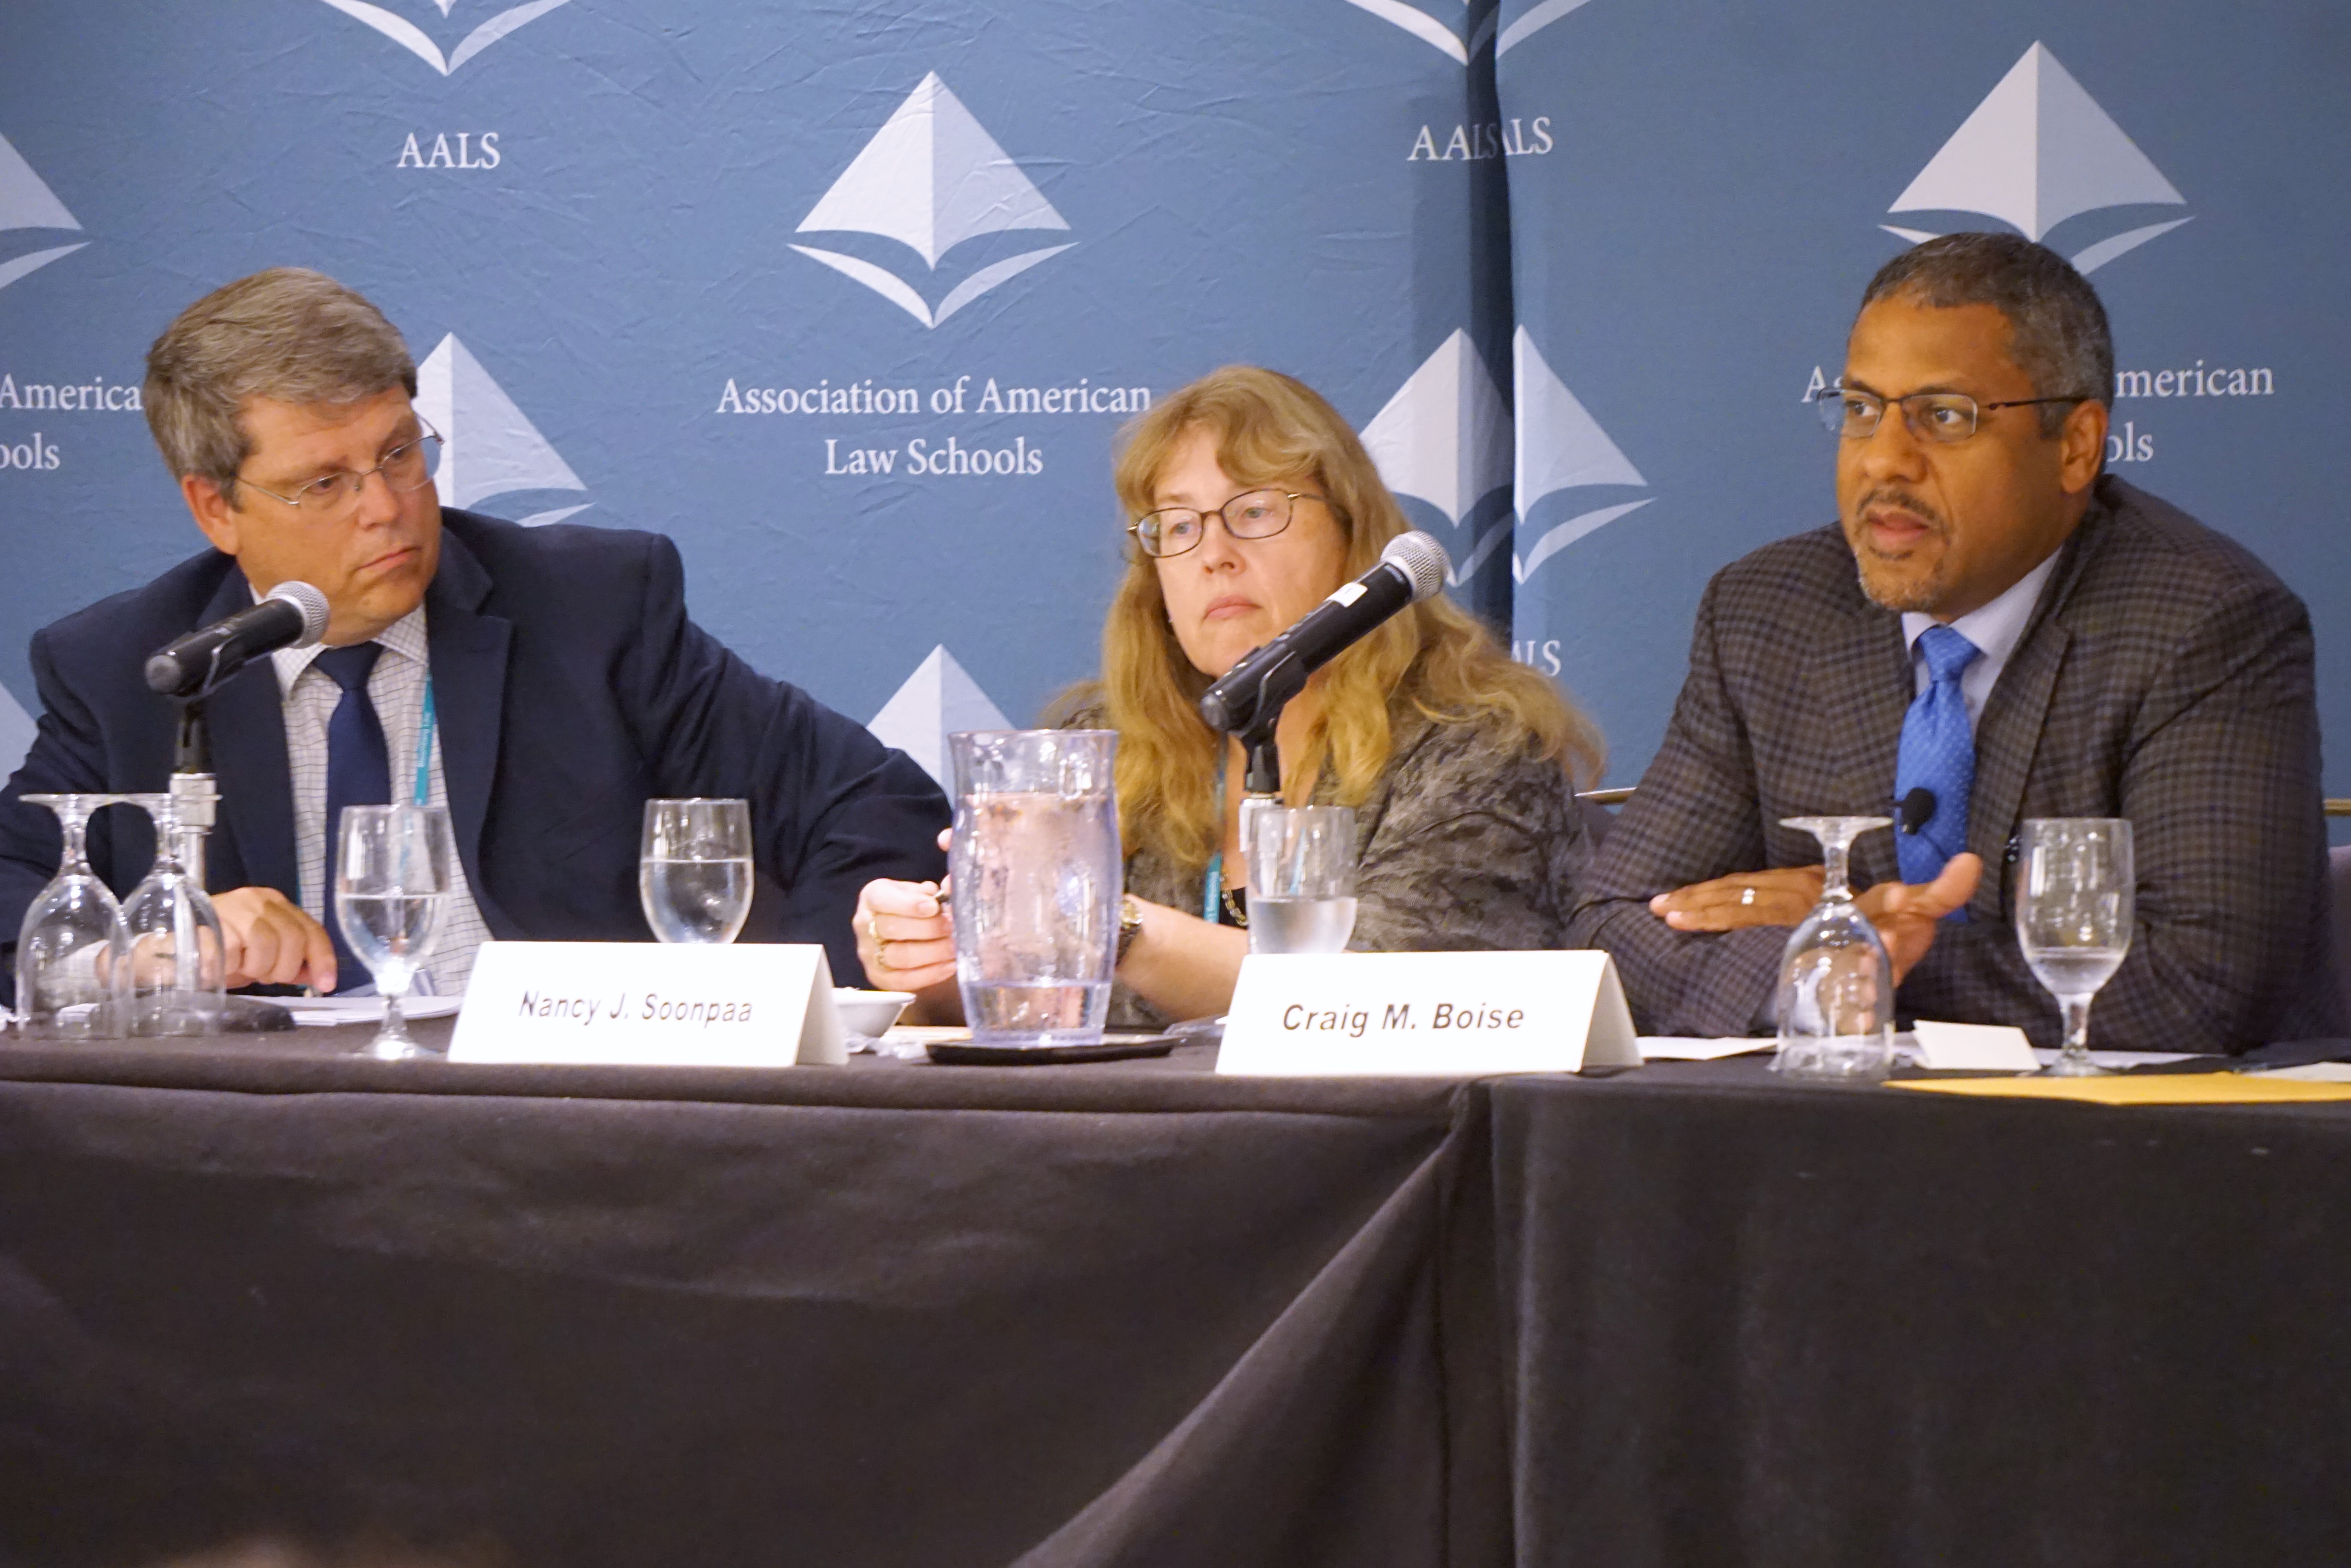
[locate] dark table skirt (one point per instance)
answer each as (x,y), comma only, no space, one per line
(1136,1313)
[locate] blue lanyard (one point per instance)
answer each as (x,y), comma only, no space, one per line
(424,731)
(1213,890)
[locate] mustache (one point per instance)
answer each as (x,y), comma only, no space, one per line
(1893,496)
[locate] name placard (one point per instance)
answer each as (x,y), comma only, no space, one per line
(1456,1015)
(754,1004)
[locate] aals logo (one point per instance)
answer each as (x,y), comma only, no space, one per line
(1444,438)
(1478,20)
(931,180)
(418,42)
(27,203)
(2039,152)
(1560,447)
(490,447)
(935,701)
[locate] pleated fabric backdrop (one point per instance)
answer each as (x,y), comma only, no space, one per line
(852,298)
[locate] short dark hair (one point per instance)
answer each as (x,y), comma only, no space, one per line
(2058,328)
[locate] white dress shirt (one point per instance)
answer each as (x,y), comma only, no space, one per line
(396,687)
(1994,630)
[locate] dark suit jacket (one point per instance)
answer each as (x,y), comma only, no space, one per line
(2164,676)
(570,688)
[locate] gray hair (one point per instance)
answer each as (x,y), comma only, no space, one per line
(2058,334)
(287,334)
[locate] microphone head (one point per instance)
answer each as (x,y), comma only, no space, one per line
(1422,560)
(311,603)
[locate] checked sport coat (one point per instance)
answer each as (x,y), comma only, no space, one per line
(2164,676)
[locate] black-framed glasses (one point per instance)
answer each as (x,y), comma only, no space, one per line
(1943,417)
(404,467)
(1252,514)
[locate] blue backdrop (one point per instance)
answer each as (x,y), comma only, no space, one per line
(850,299)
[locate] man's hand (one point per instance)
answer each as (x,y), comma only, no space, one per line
(1905,912)
(271,942)
(1782,897)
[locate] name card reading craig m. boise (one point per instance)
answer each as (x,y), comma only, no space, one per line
(751,1004)
(1460,1015)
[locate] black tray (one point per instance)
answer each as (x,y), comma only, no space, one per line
(962,1053)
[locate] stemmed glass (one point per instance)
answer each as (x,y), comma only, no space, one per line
(392,879)
(1301,879)
(71,946)
(1836,984)
(2075,887)
(179,967)
(695,876)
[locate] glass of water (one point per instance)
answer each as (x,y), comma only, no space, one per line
(695,879)
(2073,910)
(179,955)
(1301,896)
(392,880)
(1037,881)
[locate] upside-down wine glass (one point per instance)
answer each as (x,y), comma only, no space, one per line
(392,879)
(178,957)
(70,947)
(2074,883)
(1836,984)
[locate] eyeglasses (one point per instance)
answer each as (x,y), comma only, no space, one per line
(1944,417)
(1252,515)
(407,466)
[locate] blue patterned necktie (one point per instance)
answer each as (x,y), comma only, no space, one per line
(1938,753)
(359,773)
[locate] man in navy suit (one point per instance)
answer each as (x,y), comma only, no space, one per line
(546,683)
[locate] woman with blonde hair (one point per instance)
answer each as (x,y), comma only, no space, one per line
(1253,501)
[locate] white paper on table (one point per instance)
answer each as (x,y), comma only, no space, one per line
(1977,1047)
(321,1012)
(1685,1048)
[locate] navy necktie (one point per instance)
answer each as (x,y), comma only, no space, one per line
(1938,753)
(359,773)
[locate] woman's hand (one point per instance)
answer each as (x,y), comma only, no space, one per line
(905,936)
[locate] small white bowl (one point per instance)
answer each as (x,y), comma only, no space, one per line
(869,1014)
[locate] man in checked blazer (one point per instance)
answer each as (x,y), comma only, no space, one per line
(2122,661)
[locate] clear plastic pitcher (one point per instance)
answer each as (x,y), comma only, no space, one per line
(1038,877)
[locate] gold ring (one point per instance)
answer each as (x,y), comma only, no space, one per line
(1746,896)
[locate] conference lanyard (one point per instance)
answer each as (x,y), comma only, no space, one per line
(424,731)
(1213,890)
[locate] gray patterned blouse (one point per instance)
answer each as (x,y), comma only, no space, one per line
(1468,841)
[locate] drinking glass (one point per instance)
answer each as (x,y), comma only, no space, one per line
(2073,896)
(179,963)
(1301,877)
(695,876)
(71,946)
(1037,881)
(392,881)
(1836,984)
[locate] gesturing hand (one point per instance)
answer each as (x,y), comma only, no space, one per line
(272,942)
(1906,914)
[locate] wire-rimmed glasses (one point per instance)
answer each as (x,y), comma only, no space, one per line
(1252,514)
(1937,417)
(407,466)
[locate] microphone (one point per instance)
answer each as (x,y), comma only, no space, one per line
(1917,809)
(1251,693)
(293,615)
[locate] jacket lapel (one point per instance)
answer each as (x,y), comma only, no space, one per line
(2008,735)
(468,651)
(1866,691)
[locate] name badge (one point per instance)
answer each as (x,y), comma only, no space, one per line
(754,1004)
(1456,1015)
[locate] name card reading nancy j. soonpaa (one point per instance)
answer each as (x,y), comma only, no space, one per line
(752,1004)
(1461,1015)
